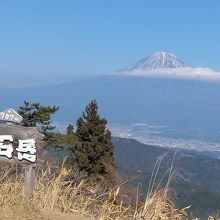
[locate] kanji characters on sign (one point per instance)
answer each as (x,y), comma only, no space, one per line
(6,149)
(26,148)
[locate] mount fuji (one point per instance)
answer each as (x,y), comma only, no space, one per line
(158,60)
(164,64)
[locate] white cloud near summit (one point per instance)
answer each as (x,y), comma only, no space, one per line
(167,65)
(197,73)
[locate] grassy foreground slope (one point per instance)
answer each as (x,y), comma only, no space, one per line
(57,194)
(64,193)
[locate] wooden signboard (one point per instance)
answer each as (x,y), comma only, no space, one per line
(20,145)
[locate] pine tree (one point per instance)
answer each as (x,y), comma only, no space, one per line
(36,115)
(70,130)
(93,149)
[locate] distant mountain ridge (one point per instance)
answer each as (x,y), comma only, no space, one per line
(158,60)
(178,104)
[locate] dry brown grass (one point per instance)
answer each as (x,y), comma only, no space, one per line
(56,192)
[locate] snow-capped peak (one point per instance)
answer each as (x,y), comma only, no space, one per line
(167,65)
(158,60)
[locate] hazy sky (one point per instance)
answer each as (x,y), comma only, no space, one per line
(44,38)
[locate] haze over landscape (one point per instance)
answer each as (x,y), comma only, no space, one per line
(152,66)
(167,102)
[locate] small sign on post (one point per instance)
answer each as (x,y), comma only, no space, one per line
(18,146)
(10,115)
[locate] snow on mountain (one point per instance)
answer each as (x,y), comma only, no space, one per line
(163,64)
(158,60)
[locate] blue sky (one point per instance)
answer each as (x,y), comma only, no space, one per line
(81,37)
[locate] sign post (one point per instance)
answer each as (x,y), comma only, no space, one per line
(29,181)
(18,146)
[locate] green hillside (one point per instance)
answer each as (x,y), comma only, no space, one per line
(198,180)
